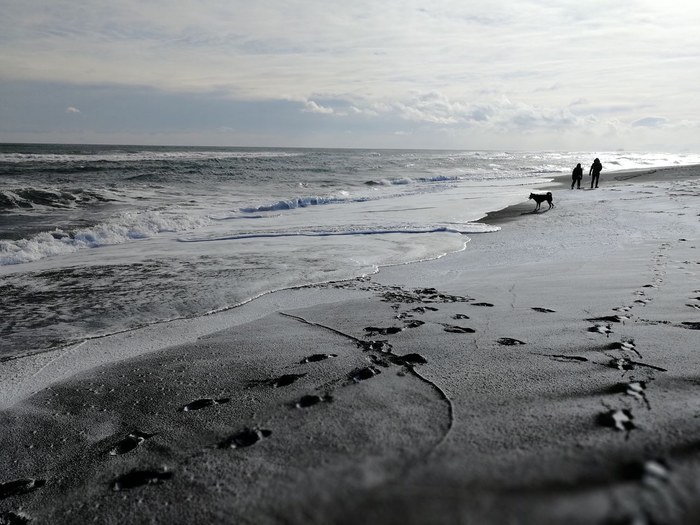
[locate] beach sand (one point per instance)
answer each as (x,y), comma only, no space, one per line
(549,373)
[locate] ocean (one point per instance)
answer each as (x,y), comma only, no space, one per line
(96,240)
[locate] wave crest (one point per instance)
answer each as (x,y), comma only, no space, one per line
(124,228)
(27,198)
(300,202)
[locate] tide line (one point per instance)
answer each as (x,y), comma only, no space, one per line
(268,235)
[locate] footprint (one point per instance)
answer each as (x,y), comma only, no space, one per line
(635,389)
(139,478)
(625,364)
(130,442)
(488,305)
(375,346)
(384,361)
(696,306)
(245,438)
(643,301)
(654,470)
(622,363)
(20,486)
(362,374)
(508,341)
(626,346)
(409,359)
(311,400)
(601,329)
(12,518)
(564,358)
(373,330)
(199,404)
(427,291)
(457,317)
(434,295)
(610,319)
(622,308)
(317,357)
(457,329)
(422,295)
(423,309)
(653,473)
(543,310)
(654,322)
(284,380)
(414,324)
(691,325)
(620,419)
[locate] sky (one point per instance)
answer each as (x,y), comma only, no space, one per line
(446,74)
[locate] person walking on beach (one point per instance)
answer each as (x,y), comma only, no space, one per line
(576,176)
(595,170)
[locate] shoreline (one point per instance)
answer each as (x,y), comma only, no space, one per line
(547,373)
(46,357)
(563,182)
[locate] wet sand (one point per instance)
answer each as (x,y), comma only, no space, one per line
(547,374)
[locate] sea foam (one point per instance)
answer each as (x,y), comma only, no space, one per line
(126,227)
(465,229)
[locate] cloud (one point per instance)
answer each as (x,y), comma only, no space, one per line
(294,48)
(650,122)
(312,107)
(513,66)
(501,114)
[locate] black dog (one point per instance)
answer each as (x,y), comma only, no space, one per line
(539,199)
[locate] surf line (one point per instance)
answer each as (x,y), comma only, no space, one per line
(411,370)
(441,229)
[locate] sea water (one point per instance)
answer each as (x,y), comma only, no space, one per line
(100,239)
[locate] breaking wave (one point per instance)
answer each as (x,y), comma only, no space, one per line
(402,181)
(27,198)
(301,202)
(126,227)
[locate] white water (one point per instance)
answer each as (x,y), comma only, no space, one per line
(190,232)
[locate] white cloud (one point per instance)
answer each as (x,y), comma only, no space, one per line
(438,63)
(497,115)
(650,122)
(312,107)
(72,109)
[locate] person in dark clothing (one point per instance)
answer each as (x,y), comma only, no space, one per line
(576,176)
(595,170)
